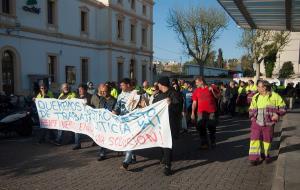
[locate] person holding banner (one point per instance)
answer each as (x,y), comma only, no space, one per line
(103,99)
(175,109)
(44,93)
(82,94)
(121,109)
(65,94)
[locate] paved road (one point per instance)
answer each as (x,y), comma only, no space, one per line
(26,165)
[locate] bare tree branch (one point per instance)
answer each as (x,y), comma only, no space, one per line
(197,29)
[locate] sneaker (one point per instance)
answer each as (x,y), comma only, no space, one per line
(101,158)
(124,166)
(76,147)
(167,171)
(253,163)
(268,160)
(57,143)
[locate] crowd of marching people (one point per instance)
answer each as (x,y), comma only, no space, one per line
(192,104)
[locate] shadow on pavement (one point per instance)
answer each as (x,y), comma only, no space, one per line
(290,148)
(187,147)
(30,159)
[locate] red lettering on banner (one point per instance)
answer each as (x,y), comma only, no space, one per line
(141,139)
(53,123)
(100,139)
(148,137)
(82,126)
(48,123)
(152,138)
(162,142)
(86,127)
(66,124)
(111,141)
(44,122)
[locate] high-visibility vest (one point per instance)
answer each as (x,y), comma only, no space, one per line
(69,96)
(48,95)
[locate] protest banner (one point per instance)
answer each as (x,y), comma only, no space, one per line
(139,129)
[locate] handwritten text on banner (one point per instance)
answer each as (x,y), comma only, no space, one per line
(139,129)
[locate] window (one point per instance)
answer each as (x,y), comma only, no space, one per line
(84,25)
(84,70)
(6,6)
(120,29)
(132,33)
(70,73)
(8,74)
(144,10)
(144,72)
(120,2)
(144,36)
(52,65)
(132,4)
(51,12)
(120,71)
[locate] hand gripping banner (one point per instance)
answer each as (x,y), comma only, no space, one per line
(139,129)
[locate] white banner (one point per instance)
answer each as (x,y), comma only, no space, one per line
(139,129)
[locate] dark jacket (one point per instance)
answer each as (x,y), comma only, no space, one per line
(175,109)
(108,104)
(232,93)
(101,102)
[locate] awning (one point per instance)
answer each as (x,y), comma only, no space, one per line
(264,14)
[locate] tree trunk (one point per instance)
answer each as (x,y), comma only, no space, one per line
(201,69)
(257,65)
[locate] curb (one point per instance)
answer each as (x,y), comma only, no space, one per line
(278,179)
(287,167)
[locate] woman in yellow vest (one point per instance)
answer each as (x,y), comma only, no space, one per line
(65,94)
(251,91)
(44,93)
(264,111)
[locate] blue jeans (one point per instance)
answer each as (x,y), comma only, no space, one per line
(44,133)
(60,134)
(77,139)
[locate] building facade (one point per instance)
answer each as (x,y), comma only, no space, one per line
(193,70)
(291,52)
(74,41)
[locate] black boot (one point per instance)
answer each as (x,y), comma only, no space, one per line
(76,147)
(167,171)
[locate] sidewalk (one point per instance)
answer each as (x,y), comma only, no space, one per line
(288,164)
